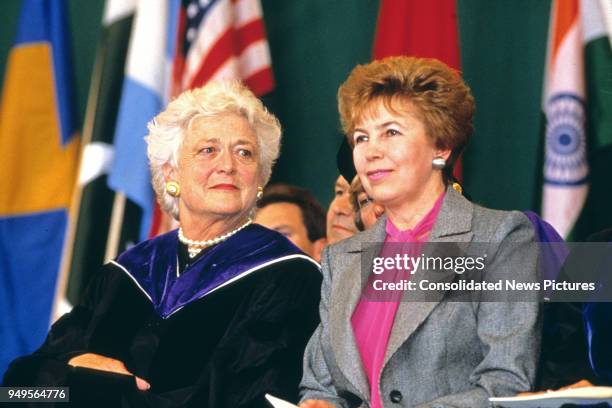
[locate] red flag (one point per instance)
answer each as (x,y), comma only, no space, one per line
(422,29)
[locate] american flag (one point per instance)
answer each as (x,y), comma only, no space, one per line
(221,39)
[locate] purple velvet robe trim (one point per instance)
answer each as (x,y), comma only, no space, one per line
(153,265)
(552,256)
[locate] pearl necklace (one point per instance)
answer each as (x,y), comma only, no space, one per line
(195,247)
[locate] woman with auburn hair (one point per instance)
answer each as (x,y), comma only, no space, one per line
(203,316)
(408,119)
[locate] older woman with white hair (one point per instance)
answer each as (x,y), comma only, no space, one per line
(216,313)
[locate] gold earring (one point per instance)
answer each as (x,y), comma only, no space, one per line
(173,188)
(259,192)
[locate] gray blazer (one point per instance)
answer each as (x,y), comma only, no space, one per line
(440,353)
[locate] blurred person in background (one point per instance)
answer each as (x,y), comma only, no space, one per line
(340,215)
(367,212)
(294,212)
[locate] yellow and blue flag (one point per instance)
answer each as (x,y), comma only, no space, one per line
(39,153)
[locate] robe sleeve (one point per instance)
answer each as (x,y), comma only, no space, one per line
(598,322)
(67,338)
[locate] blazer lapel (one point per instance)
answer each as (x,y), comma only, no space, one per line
(454,224)
(347,286)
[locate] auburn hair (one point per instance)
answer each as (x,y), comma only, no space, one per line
(439,94)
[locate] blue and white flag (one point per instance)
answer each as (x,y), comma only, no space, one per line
(144,95)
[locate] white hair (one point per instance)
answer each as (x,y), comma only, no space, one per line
(167,130)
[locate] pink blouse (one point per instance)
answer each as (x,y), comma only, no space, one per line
(373,316)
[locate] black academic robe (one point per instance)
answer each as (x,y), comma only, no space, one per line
(225,348)
(577,335)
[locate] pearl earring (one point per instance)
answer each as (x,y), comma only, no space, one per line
(438,162)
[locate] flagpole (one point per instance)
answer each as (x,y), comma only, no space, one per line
(75,202)
(114,231)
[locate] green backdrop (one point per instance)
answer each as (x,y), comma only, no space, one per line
(314,45)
